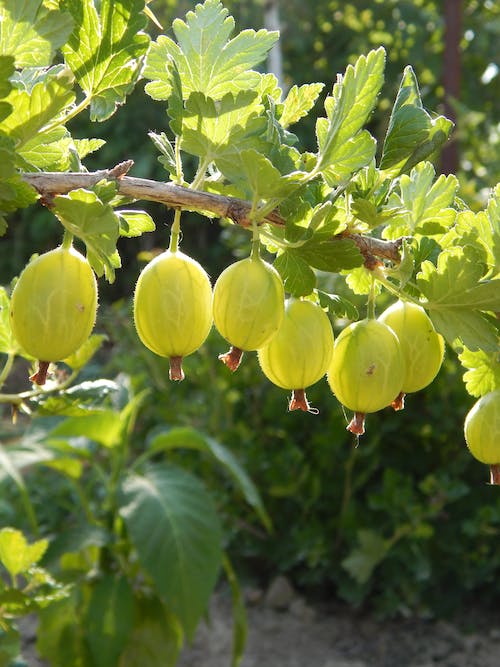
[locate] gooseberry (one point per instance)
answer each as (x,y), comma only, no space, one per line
(53,307)
(249,303)
(422,346)
(173,308)
(367,369)
(300,352)
(482,432)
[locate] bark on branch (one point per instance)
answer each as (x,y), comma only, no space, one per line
(49,184)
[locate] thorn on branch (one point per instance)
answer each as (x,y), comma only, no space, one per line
(121,169)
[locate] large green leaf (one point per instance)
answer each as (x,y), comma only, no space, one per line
(109,619)
(412,134)
(104,427)
(83,214)
(326,253)
(105,50)
(348,108)
(207,60)
(190,438)
(175,530)
(156,637)
(31,32)
(298,277)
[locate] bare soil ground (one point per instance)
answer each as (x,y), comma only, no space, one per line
(290,633)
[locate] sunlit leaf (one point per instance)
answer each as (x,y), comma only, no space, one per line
(483,374)
(298,277)
(16,555)
(299,102)
(105,50)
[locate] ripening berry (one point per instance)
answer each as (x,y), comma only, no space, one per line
(249,302)
(54,306)
(300,353)
(367,369)
(173,307)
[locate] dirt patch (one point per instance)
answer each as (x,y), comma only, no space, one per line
(299,635)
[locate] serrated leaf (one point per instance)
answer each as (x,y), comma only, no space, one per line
(456,282)
(338,305)
(31,32)
(483,374)
(105,50)
(211,129)
(489,230)
(84,215)
(425,202)
(85,147)
(348,108)
(16,554)
(173,526)
(325,253)
(299,101)
(350,157)
(263,179)
(466,327)
(167,158)
(207,60)
(190,438)
(360,281)
(412,134)
(33,111)
(135,223)
(298,277)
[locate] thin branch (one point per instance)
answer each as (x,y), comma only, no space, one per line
(49,184)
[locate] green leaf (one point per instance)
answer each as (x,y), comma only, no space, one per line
(360,281)
(426,203)
(109,619)
(362,560)
(298,102)
(483,374)
(31,32)
(190,438)
(298,277)
(105,50)
(174,528)
(466,327)
(207,60)
(263,179)
(85,352)
(338,305)
(489,231)
(215,129)
(83,214)
(42,107)
(104,427)
(348,108)
(16,555)
(135,223)
(356,153)
(167,157)
(8,344)
(85,147)
(456,281)
(325,253)
(412,134)
(156,637)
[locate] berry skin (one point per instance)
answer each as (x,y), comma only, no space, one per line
(367,369)
(54,306)
(422,346)
(249,303)
(482,432)
(300,353)
(173,307)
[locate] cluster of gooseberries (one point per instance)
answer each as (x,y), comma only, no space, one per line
(372,364)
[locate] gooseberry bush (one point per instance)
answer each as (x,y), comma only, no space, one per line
(137,568)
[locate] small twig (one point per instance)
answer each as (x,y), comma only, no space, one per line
(49,184)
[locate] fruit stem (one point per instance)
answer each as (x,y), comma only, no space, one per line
(299,401)
(357,423)
(232,358)
(371,301)
(255,252)
(399,402)
(67,241)
(40,377)
(495,474)
(176,372)
(175,232)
